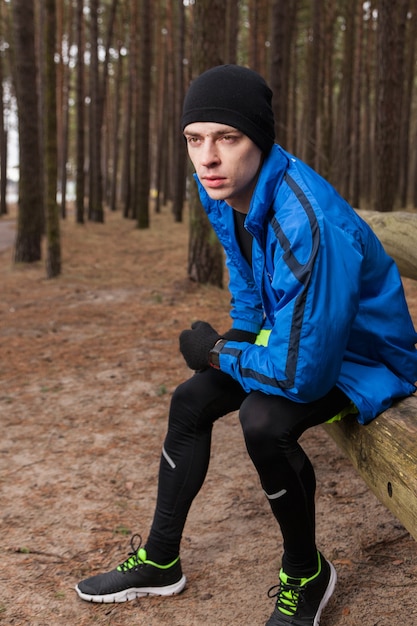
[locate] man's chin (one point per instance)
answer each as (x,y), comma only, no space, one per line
(216,194)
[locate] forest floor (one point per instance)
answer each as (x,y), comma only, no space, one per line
(88,362)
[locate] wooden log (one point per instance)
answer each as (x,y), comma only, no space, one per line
(384,453)
(397,232)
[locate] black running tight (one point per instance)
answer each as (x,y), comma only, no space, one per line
(272,426)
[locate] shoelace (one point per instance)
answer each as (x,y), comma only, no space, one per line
(288,597)
(133,560)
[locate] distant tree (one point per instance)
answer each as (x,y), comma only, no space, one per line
(160,120)
(80,117)
(415,172)
(179,152)
(343,136)
(142,152)
(66,55)
(117,107)
(60,41)
(325,157)
(3,132)
(174,76)
(205,258)
(109,19)
(314,54)
(358,63)
(232,31)
(368,109)
(390,72)
(30,215)
(95,196)
(406,115)
(282,37)
(259,30)
(53,241)
(128,107)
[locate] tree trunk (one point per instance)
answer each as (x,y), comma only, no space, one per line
(64,144)
(61,104)
(205,255)
(95,199)
(355,192)
(116,128)
(282,32)
(53,258)
(415,171)
(3,133)
(232,31)
(391,17)
(63,93)
(258,35)
(405,155)
(80,141)
(129,99)
(326,100)
(142,169)
(30,217)
(343,136)
(161,119)
(314,64)
(180,157)
(104,121)
(367,141)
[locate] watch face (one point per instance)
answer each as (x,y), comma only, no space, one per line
(215,352)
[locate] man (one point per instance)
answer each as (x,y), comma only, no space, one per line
(320,328)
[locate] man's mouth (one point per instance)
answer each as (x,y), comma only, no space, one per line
(213,181)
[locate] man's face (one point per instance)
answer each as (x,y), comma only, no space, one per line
(226,161)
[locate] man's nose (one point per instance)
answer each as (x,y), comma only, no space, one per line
(209,155)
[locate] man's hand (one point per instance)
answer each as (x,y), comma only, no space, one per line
(195,344)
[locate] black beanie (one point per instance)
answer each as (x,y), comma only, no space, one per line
(236,96)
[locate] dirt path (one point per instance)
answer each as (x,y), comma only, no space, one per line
(87,366)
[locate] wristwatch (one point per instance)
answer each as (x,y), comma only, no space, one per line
(214,354)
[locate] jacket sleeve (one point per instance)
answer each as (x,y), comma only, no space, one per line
(315,288)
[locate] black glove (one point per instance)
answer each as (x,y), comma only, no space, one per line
(195,345)
(234,334)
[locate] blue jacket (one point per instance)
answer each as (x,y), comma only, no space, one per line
(321,280)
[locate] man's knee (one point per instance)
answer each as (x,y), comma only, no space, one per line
(185,398)
(260,419)
(254,420)
(191,404)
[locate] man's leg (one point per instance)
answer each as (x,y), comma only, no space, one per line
(272,426)
(156,568)
(195,405)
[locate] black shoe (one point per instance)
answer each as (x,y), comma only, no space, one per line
(300,601)
(134,578)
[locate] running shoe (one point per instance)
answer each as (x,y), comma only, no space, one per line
(134,578)
(300,601)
